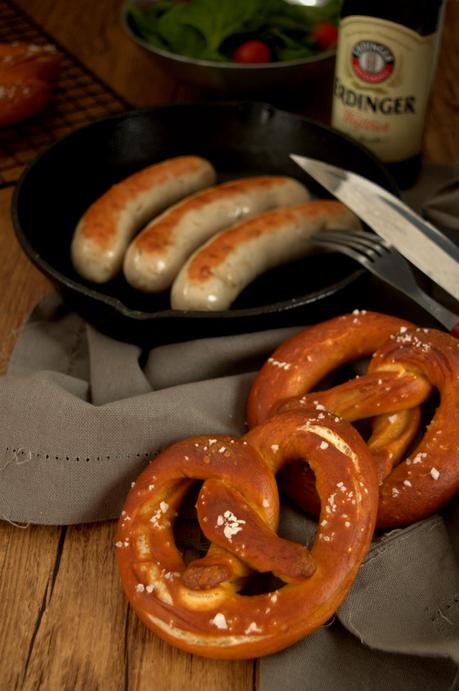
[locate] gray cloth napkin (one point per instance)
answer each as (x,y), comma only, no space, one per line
(80,416)
(436,196)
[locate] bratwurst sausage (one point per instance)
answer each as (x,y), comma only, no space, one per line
(217,272)
(103,233)
(157,254)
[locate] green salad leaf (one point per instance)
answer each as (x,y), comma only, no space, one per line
(177,31)
(212,29)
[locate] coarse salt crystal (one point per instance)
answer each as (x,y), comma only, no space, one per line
(219,621)
(232,525)
(252,628)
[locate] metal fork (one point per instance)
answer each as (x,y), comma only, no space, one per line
(377,256)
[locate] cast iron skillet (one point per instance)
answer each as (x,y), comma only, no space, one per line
(240,139)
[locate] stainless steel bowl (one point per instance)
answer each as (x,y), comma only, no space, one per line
(234,79)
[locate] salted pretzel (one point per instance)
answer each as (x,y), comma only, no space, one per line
(408,363)
(198,606)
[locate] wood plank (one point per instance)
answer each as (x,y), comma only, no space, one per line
(29,562)
(21,284)
(79,643)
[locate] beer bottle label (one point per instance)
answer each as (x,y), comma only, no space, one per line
(383,78)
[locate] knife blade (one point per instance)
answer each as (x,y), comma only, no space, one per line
(419,241)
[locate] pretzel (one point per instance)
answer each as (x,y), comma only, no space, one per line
(401,375)
(28,74)
(198,607)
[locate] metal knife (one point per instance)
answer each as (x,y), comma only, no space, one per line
(419,241)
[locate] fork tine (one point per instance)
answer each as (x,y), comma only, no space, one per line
(354,239)
(365,236)
(369,240)
(345,248)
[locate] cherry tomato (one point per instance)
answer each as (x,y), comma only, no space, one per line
(325,35)
(252,51)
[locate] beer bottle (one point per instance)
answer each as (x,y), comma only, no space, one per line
(385,64)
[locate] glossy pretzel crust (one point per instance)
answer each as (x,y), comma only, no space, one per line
(197,607)
(408,363)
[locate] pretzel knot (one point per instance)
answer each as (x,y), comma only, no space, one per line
(408,363)
(198,606)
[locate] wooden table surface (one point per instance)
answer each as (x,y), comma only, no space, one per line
(65,621)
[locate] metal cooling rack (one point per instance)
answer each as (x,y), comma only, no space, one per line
(79,98)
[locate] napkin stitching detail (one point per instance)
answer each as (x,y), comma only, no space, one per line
(439,613)
(14,458)
(20,456)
